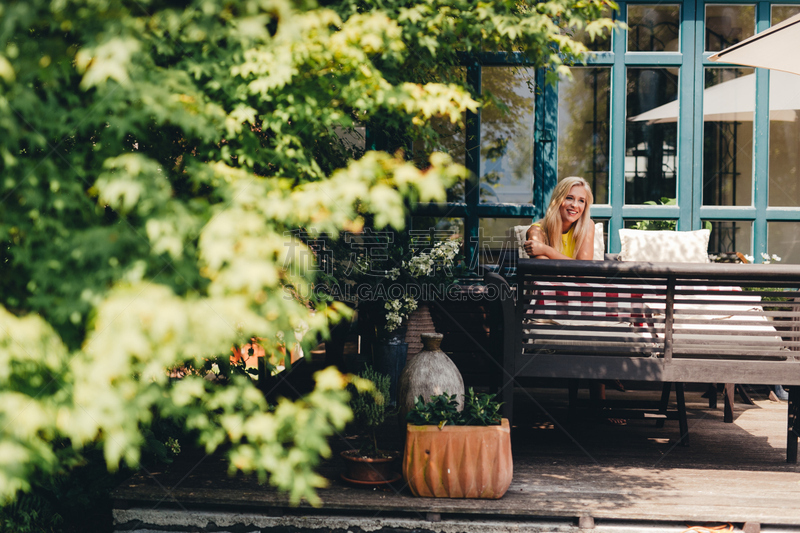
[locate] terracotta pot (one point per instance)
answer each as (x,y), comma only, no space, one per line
(373,470)
(458,461)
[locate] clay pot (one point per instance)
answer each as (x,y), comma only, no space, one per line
(429,373)
(458,461)
(369,470)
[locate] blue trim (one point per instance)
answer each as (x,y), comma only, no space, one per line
(545,175)
(473,149)
(761,144)
(782,213)
(687,104)
(616,167)
(718,212)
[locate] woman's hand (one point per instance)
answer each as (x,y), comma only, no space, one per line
(534,248)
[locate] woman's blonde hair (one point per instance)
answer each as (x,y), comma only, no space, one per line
(551,223)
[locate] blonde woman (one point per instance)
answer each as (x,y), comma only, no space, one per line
(566,231)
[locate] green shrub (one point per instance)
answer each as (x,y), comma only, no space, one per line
(479,410)
(370,407)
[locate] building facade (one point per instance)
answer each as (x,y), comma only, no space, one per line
(659,131)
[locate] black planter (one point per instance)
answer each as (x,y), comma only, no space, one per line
(390,359)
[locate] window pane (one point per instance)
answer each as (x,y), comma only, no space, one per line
(783,239)
(728,105)
(781,13)
(730,236)
(784,132)
(496,236)
(726,25)
(651,224)
(507,137)
(451,140)
(583,128)
(601,43)
(654,28)
(439,227)
(651,135)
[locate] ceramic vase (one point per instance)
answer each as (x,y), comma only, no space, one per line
(430,373)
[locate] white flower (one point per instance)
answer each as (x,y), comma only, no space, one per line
(775,258)
(749,258)
(300,330)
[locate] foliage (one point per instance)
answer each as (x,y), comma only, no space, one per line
(658,225)
(662,225)
(389,273)
(479,410)
(370,407)
(156,159)
(73,500)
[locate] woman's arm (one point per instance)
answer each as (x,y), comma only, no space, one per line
(535,246)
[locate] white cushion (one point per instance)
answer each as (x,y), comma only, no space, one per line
(664,246)
(519,238)
(599,245)
(599,253)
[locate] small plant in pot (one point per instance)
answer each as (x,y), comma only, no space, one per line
(458,454)
(369,464)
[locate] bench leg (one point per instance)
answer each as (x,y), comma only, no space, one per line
(794,425)
(684,425)
(711,394)
(573,386)
(729,400)
(664,403)
(743,395)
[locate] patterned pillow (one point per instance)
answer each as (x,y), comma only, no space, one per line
(599,244)
(664,246)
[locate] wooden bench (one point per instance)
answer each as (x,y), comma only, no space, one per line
(671,323)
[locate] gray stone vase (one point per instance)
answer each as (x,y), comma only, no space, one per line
(431,372)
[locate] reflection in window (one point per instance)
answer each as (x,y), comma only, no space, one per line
(451,140)
(652,224)
(496,237)
(654,28)
(784,131)
(783,239)
(730,236)
(601,43)
(781,13)
(728,108)
(506,168)
(726,25)
(583,128)
(436,228)
(651,135)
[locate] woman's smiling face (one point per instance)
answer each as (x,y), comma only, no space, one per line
(573,205)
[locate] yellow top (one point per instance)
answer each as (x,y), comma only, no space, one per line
(568,245)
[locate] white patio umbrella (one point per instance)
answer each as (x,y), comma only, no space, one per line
(775,48)
(735,100)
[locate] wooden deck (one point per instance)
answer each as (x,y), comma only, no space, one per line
(632,474)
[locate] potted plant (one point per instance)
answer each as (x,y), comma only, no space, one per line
(458,454)
(389,274)
(369,400)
